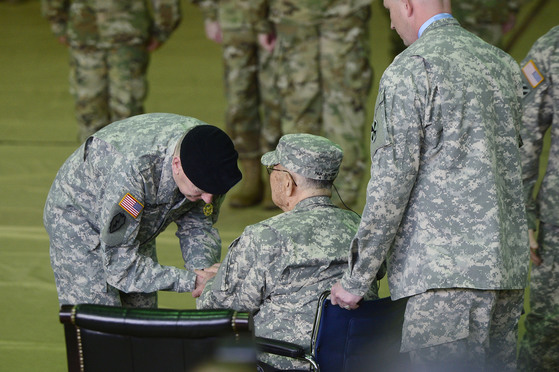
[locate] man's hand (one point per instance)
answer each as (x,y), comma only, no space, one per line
(339,296)
(213,31)
(202,277)
(267,41)
(63,40)
(153,45)
(534,248)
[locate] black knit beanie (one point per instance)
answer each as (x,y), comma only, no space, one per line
(209,159)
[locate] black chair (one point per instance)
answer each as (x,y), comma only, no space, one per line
(107,338)
(365,339)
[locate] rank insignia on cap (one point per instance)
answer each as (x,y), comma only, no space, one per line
(208,209)
(532,74)
(131,205)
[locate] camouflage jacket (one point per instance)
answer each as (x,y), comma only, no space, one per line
(231,14)
(444,202)
(302,12)
(277,269)
(130,161)
(541,113)
(473,12)
(106,23)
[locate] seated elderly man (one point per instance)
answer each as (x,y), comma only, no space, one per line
(277,268)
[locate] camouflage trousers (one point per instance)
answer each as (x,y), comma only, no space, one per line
(539,347)
(252,118)
(324,78)
(462,330)
(107,85)
(78,263)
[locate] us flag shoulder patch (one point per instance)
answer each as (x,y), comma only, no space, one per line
(131,205)
(532,74)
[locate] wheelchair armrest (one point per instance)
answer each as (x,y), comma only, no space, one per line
(278,347)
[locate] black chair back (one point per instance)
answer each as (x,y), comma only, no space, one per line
(107,338)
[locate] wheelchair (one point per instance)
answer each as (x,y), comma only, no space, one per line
(365,339)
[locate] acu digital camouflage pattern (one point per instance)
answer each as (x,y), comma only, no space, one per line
(444,202)
(97,247)
(324,74)
(97,105)
(311,156)
(539,349)
(476,327)
(253,112)
(108,55)
(486,18)
(277,269)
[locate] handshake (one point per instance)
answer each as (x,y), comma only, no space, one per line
(202,277)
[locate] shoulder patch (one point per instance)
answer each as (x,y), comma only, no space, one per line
(117,222)
(532,74)
(131,205)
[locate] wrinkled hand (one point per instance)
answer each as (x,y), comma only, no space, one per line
(213,268)
(339,296)
(202,277)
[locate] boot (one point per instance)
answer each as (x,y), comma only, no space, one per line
(251,189)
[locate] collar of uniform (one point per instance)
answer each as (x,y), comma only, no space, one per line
(167,188)
(434,18)
(306,203)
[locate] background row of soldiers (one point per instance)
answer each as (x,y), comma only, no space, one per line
(314,80)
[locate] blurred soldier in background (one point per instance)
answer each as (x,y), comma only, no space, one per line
(488,19)
(109,44)
(539,348)
(322,50)
(252,117)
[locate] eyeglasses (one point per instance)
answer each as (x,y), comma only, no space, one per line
(270,169)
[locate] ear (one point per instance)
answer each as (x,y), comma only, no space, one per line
(408,7)
(289,186)
(176,165)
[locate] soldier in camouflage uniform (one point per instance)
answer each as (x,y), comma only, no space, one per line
(277,268)
(119,190)
(322,50)
(109,44)
(252,117)
(539,348)
(444,202)
(489,19)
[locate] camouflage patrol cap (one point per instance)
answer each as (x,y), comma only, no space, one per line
(209,159)
(310,156)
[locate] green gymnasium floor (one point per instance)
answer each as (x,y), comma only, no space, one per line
(38,132)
